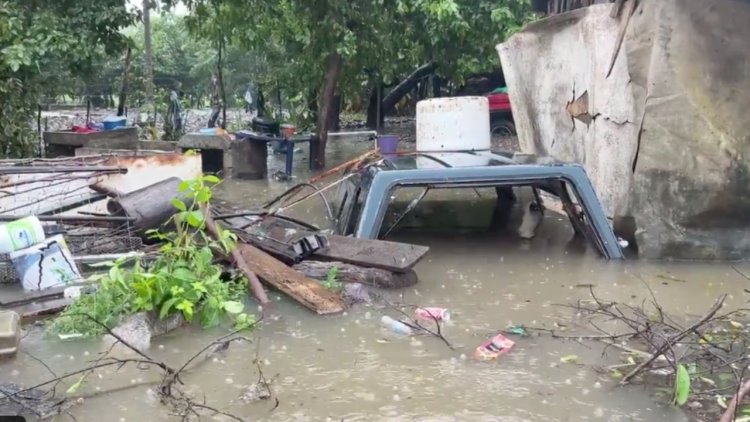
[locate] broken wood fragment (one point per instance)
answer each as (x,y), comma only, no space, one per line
(672,340)
(239,262)
(299,287)
(348,273)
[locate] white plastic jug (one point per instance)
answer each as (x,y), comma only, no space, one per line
(20,234)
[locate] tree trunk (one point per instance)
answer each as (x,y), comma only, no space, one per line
(124,86)
(220,71)
(334,63)
(334,121)
(423,89)
(312,104)
(374,115)
(148,66)
(261,103)
(406,86)
(436,86)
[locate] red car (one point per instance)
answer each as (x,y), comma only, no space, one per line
(501,116)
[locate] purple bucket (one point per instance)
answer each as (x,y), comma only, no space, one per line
(387,144)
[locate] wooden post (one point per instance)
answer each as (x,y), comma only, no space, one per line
(124,85)
(88,110)
(220,71)
(39,130)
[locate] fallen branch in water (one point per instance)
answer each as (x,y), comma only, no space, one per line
(182,404)
(711,350)
(239,261)
(730,414)
(674,339)
(417,325)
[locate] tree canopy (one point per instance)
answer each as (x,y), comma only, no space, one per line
(302,48)
(357,45)
(42,42)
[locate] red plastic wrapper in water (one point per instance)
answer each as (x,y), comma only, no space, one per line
(432,314)
(494,348)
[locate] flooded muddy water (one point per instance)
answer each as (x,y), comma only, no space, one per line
(349,368)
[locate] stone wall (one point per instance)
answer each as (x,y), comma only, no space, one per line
(665,136)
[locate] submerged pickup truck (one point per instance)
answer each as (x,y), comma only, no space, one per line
(363,205)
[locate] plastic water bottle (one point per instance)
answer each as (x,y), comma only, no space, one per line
(396,326)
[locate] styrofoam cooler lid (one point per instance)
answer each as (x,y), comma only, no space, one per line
(453,124)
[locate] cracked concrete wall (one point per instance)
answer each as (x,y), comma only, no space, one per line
(665,138)
(549,66)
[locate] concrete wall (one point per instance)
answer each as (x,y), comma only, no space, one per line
(664,137)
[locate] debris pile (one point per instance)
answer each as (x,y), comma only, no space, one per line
(700,363)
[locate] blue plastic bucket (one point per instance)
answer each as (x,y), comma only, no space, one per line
(388,144)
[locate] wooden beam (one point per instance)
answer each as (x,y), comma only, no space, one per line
(347,273)
(296,285)
(392,256)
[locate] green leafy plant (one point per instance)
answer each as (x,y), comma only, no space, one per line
(681,385)
(183,278)
(331,282)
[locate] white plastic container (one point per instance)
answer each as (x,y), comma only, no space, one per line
(47,264)
(453,124)
(20,234)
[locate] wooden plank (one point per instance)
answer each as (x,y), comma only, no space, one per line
(296,285)
(347,273)
(275,236)
(393,256)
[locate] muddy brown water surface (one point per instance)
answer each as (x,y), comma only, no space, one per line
(348,367)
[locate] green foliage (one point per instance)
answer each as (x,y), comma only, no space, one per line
(379,40)
(182,279)
(332,282)
(681,385)
(42,43)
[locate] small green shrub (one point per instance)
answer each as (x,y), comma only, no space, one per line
(184,277)
(331,282)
